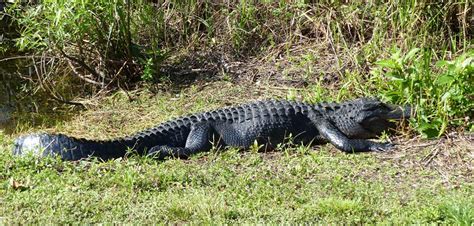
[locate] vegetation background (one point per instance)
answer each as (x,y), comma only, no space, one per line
(106,68)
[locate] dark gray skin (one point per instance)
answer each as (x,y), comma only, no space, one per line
(346,125)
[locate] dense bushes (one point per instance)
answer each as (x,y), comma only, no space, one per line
(105,41)
(443,94)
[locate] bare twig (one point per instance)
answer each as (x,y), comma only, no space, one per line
(81,63)
(113,79)
(49,90)
(74,70)
(433,154)
(22,57)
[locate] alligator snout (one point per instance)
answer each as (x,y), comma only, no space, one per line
(399,112)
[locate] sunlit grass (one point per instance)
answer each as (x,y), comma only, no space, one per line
(293,184)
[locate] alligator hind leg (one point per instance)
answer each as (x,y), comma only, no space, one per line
(198,140)
(162,151)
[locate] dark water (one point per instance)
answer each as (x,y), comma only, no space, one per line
(7,68)
(23,103)
(8,83)
(14,96)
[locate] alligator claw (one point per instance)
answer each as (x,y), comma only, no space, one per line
(381,147)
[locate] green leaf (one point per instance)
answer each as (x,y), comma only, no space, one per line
(395,76)
(410,70)
(444,125)
(446,96)
(389,63)
(396,54)
(410,54)
(444,79)
(467,62)
(392,96)
(428,130)
(443,63)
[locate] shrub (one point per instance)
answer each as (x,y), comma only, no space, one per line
(98,40)
(443,93)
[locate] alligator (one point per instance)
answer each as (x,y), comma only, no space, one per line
(347,126)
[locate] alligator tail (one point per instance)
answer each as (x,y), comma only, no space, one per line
(69,148)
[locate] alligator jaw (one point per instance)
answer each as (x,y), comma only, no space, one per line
(398,112)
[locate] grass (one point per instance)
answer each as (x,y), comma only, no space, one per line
(230,187)
(294,184)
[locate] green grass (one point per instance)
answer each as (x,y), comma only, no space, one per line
(294,184)
(107,35)
(229,187)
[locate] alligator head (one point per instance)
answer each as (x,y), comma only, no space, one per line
(367,118)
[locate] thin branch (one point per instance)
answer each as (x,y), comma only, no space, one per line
(47,88)
(113,79)
(22,57)
(74,70)
(81,63)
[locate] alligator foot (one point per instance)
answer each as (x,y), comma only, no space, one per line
(160,152)
(381,147)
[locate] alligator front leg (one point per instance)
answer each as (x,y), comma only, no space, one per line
(198,140)
(343,143)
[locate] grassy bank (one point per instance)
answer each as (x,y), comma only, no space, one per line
(421,181)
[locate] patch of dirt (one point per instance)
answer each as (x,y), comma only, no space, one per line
(451,158)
